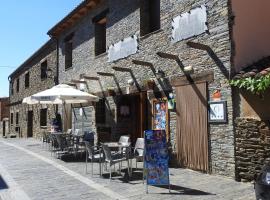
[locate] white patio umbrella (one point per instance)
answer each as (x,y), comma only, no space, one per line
(61,94)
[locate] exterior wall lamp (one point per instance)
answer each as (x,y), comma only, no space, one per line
(160,73)
(189,69)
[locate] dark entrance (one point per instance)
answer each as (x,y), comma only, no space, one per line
(4,128)
(30,124)
(131,115)
(192,126)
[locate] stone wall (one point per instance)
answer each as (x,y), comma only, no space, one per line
(252,147)
(32,65)
(124,21)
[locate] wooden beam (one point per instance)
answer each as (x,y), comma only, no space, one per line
(105,74)
(71,84)
(207,76)
(143,63)
(78,81)
(168,56)
(121,69)
(90,77)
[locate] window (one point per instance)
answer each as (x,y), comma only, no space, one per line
(11,119)
(12,88)
(43,70)
(149,16)
(43,117)
(68,51)
(26,80)
(17,118)
(100,112)
(18,85)
(100,32)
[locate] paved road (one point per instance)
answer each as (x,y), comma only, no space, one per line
(31,172)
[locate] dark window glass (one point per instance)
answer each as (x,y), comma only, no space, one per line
(26,80)
(12,88)
(149,16)
(17,118)
(68,51)
(11,118)
(18,85)
(43,117)
(43,70)
(101,111)
(100,37)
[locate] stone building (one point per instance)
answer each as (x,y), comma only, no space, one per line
(4,115)
(137,56)
(37,73)
(251,60)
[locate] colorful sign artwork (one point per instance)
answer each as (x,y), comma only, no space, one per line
(160,115)
(156,157)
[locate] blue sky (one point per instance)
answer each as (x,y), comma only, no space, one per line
(23,29)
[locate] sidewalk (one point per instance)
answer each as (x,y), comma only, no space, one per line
(39,176)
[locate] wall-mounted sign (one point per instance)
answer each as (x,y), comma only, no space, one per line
(123,49)
(189,24)
(218,111)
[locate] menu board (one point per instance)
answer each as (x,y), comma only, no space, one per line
(160,114)
(156,157)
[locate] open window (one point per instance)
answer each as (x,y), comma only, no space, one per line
(68,51)
(43,70)
(26,80)
(100,22)
(149,16)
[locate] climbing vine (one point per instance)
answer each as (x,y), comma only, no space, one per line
(256,85)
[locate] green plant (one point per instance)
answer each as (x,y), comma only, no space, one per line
(256,85)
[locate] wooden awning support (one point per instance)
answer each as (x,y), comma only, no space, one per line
(143,63)
(168,56)
(198,46)
(121,69)
(78,81)
(71,84)
(105,74)
(90,77)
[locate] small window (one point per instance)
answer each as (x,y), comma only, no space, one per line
(149,16)
(26,80)
(12,88)
(100,32)
(11,119)
(43,117)
(100,37)
(100,112)
(68,51)
(17,118)
(18,85)
(43,70)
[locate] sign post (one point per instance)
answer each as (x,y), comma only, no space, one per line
(156,158)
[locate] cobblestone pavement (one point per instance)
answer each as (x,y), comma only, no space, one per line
(29,170)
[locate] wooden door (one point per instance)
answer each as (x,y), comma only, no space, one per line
(192,131)
(30,124)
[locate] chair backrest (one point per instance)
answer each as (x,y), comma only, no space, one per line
(61,141)
(139,146)
(77,131)
(124,139)
(90,149)
(107,153)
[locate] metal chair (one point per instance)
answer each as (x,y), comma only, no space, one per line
(113,159)
(93,154)
(64,145)
(138,150)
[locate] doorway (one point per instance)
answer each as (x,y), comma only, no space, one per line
(30,124)
(192,126)
(4,128)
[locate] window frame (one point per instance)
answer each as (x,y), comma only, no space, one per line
(43,116)
(43,70)
(27,80)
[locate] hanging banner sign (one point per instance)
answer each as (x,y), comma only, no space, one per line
(156,157)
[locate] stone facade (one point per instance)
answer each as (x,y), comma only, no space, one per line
(4,115)
(124,21)
(33,65)
(252,147)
